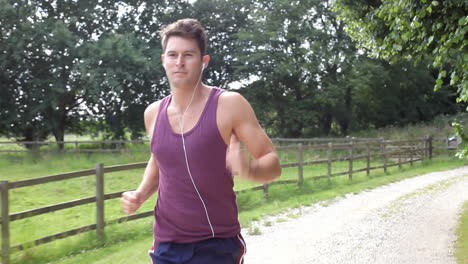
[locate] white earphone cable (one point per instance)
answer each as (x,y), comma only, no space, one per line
(181,124)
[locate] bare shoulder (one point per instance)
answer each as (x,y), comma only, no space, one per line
(150,116)
(152,108)
(236,106)
(232,99)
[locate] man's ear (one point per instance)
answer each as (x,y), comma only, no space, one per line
(163,61)
(206,61)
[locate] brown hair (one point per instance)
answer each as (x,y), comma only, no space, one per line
(186,28)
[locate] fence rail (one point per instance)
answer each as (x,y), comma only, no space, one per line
(76,146)
(405,151)
(120,145)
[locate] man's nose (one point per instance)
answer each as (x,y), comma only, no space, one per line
(180,61)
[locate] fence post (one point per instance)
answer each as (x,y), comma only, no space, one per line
(300,157)
(399,157)
(330,149)
(5,223)
(368,159)
(265,190)
(350,173)
(426,148)
(411,155)
(384,155)
(77,149)
(100,201)
(429,141)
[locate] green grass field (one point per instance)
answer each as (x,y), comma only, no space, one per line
(128,242)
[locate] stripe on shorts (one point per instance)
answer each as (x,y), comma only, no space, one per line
(243,249)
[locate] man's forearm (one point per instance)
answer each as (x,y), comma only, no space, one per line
(265,169)
(150,183)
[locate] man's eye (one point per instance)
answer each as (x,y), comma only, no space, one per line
(172,55)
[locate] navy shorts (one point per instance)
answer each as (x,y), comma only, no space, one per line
(211,251)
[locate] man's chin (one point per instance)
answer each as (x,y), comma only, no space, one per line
(182,82)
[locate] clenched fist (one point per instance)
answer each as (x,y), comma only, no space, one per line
(131,201)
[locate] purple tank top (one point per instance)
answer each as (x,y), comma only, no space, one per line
(179,213)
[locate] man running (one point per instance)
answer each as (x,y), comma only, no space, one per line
(195,151)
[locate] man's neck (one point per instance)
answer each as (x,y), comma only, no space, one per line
(181,96)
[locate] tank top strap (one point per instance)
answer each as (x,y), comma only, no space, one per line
(217,92)
(212,104)
(163,106)
(161,118)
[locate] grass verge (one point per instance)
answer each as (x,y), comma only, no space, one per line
(461,245)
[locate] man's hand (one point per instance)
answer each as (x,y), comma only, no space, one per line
(131,201)
(236,159)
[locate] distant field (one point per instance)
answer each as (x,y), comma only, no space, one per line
(440,126)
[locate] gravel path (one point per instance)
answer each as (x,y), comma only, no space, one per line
(411,221)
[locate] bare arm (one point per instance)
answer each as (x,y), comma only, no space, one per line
(133,200)
(150,182)
(265,166)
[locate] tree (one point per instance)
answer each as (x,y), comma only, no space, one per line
(117,79)
(223,19)
(433,31)
(396,94)
(338,54)
(297,56)
(40,47)
(63,62)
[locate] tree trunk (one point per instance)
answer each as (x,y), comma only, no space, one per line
(348,112)
(327,122)
(59,135)
(30,134)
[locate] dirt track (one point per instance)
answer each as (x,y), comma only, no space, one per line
(411,221)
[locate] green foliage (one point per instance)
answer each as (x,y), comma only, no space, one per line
(296,55)
(305,77)
(223,19)
(419,30)
(463,147)
(397,94)
(40,48)
(117,77)
(440,126)
(64,62)
(93,67)
(429,31)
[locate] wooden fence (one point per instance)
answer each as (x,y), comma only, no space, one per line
(390,152)
(70,146)
(87,146)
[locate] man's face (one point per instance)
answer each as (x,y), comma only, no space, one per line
(183,61)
